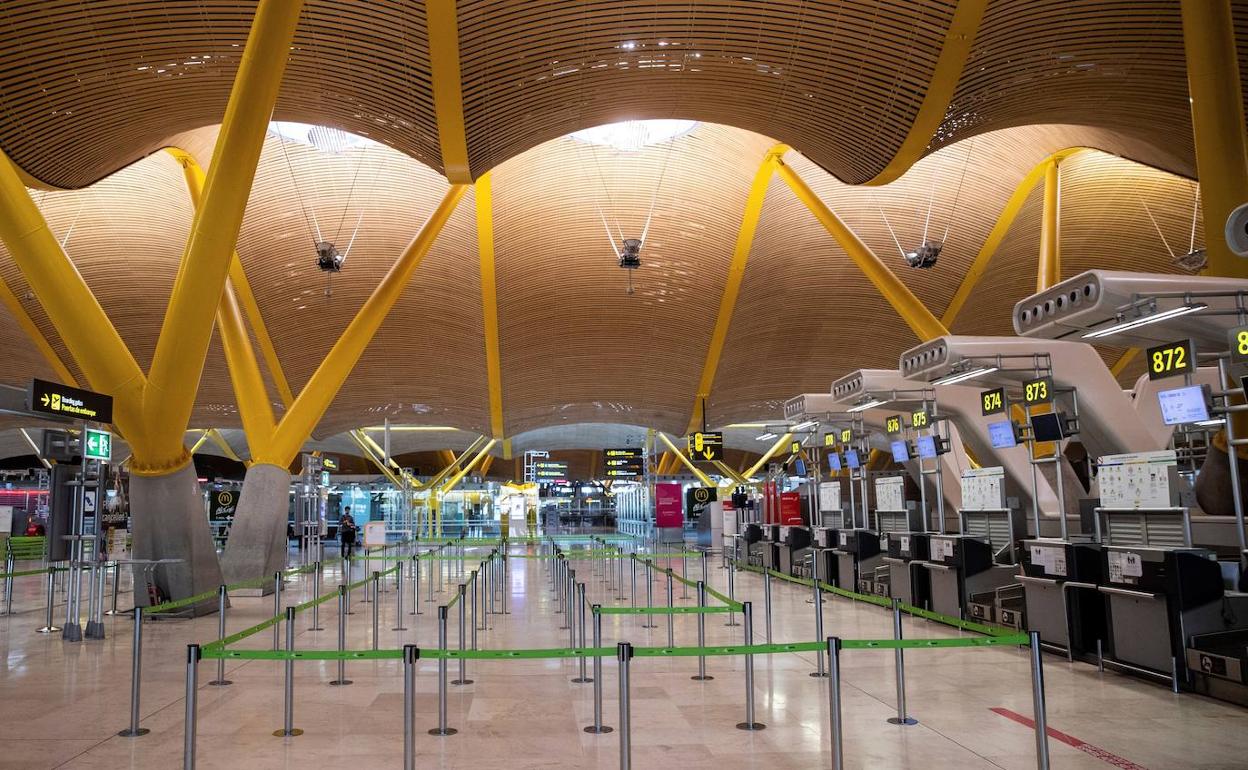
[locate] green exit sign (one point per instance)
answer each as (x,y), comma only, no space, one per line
(98,444)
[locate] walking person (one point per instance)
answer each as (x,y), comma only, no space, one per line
(346,533)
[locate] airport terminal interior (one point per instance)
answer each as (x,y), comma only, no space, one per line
(585,384)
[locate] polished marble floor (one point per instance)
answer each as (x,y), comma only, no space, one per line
(61,704)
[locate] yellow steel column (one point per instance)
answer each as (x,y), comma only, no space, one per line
(453,463)
(310,405)
(925,325)
(458,477)
(249,389)
(442,22)
(484,197)
(736,273)
(782,441)
(187,329)
(1213,83)
(1049,269)
(74,311)
(702,477)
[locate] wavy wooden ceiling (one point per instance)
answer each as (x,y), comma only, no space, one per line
(88,88)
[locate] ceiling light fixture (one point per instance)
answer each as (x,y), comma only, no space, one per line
(864,406)
(765,437)
(805,425)
(1135,323)
(956,377)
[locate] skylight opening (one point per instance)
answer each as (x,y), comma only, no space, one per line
(634,135)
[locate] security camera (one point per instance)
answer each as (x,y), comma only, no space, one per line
(1237,230)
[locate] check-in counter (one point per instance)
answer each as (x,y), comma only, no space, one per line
(857,553)
(1060,590)
(908,580)
(959,566)
(794,548)
(1158,598)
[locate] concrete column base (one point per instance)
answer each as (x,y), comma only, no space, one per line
(257,546)
(168,521)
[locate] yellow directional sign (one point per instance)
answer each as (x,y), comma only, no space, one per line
(705,446)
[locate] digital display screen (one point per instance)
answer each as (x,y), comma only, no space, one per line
(1002,434)
(799,467)
(851,459)
(1183,405)
(927,447)
(1048,427)
(901,453)
(834,461)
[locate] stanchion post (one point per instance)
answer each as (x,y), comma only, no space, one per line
(277,609)
(671,616)
(818,599)
(136,678)
(376,584)
(624,654)
(463,639)
(583,678)
(415,610)
(48,628)
(834,701)
(222,601)
(342,637)
(649,618)
(10,566)
(288,710)
(684,573)
(747,614)
(701,676)
(442,728)
(767,603)
(632,560)
(411,653)
(398,606)
(317,575)
(1037,703)
(190,721)
(732,596)
(598,728)
(472,581)
(899,657)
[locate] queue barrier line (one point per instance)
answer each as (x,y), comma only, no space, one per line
(24,573)
(260,582)
(880,601)
(265,624)
(215,651)
(690,610)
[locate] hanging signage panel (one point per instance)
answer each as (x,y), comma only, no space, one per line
(705,446)
(67,401)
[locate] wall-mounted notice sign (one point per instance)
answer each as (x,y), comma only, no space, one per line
(66,401)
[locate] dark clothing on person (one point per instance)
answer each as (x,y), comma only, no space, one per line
(346,534)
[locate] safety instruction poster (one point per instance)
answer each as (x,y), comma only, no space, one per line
(1050,558)
(1140,480)
(1124,567)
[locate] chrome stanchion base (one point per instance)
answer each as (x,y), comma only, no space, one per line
(128,733)
(461,681)
(899,721)
(283,734)
(48,630)
(341,682)
(599,730)
(582,680)
(819,674)
(751,726)
(221,682)
(700,678)
(443,731)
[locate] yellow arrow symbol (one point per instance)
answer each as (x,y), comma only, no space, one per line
(708,453)
(44,399)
